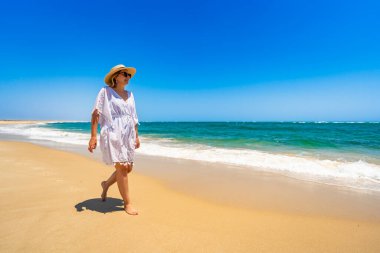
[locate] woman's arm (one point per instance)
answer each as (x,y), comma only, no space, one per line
(137,137)
(94,130)
(136,130)
(94,123)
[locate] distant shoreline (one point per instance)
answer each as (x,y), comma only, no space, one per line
(11,121)
(15,121)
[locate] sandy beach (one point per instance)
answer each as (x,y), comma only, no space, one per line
(252,127)
(51,202)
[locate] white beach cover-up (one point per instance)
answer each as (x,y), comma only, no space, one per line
(117,119)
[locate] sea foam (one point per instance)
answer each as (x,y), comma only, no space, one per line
(358,174)
(354,174)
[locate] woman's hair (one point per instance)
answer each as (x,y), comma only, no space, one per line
(113,80)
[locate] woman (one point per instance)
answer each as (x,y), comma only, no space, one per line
(115,110)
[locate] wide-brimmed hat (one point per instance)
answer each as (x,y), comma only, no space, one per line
(108,78)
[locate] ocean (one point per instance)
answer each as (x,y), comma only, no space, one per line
(340,153)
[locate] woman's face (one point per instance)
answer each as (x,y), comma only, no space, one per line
(123,78)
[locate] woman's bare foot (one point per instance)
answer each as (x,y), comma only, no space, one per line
(105,189)
(130,210)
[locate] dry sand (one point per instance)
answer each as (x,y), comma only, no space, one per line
(50,201)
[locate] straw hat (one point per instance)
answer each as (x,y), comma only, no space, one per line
(108,78)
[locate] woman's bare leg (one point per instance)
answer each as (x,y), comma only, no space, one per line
(122,183)
(110,181)
(106,184)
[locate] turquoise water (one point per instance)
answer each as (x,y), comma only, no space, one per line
(350,140)
(344,154)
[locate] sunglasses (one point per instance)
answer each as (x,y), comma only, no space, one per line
(126,74)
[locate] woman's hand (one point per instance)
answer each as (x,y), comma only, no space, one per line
(92,144)
(137,145)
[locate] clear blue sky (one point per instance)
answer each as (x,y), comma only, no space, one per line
(195,60)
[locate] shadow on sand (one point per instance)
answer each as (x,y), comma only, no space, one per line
(108,206)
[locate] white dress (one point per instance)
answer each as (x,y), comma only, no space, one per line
(117,119)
